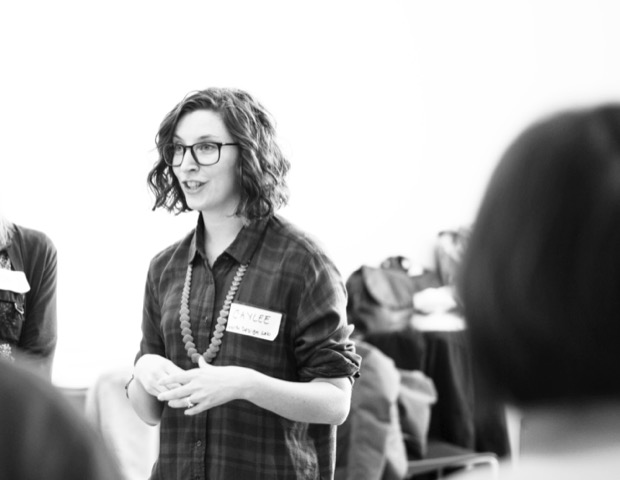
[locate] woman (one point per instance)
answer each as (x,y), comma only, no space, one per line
(540,285)
(245,357)
(27,297)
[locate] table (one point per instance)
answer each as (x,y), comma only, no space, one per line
(463,415)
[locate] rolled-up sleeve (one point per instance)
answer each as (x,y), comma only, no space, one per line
(152,340)
(323,345)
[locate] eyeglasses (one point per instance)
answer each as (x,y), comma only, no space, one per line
(205,153)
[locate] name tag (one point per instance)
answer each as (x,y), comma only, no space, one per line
(253,321)
(13,281)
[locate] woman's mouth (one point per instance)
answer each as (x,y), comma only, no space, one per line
(192,185)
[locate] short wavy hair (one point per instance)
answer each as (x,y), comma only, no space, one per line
(540,279)
(262,167)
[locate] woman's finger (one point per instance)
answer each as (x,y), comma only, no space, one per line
(174,394)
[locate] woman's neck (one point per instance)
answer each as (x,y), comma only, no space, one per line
(220,232)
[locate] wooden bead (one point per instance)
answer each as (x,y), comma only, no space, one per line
(222,319)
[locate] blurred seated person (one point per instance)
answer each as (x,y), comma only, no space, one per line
(540,285)
(370,443)
(388,422)
(43,436)
(27,296)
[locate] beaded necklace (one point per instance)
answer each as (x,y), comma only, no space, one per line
(218,333)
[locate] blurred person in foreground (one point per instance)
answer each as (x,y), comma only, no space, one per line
(540,284)
(27,297)
(42,436)
(245,357)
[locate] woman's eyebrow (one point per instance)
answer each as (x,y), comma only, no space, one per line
(208,136)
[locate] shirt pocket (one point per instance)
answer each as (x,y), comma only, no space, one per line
(12,314)
(271,357)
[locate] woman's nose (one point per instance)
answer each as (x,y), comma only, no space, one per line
(188,162)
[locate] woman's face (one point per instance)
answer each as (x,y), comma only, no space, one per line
(209,189)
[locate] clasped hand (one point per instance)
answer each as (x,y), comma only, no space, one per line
(202,388)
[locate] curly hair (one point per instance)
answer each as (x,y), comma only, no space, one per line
(261,169)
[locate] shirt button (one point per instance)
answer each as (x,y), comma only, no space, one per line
(198,443)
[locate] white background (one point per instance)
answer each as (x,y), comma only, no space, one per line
(393,114)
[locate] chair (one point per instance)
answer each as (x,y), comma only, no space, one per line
(442,457)
(75,396)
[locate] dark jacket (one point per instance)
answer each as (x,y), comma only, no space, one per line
(33,329)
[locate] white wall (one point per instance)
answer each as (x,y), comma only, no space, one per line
(393,114)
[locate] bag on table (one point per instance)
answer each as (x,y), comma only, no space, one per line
(381,298)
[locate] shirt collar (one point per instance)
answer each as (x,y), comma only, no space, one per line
(241,249)
(197,244)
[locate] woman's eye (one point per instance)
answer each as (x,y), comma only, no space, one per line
(206,147)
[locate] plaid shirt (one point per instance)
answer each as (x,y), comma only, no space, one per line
(289,274)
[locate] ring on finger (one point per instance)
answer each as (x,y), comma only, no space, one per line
(189,403)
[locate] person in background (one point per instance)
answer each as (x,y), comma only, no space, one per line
(43,437)
(27,297)
(246,357)
(540,285)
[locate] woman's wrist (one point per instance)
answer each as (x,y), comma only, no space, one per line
(133,377)
(249,384)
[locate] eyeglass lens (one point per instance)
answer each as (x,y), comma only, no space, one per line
(204,153)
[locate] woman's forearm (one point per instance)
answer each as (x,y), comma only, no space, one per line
(146,406)
(322,400)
